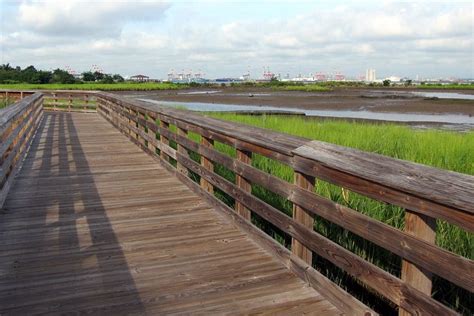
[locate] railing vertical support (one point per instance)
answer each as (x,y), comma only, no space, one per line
(183,151)
(164,141)
(69,106)
(303,217)
(86,102)
(207,164)
(55,96)
(141,127)
(129,120)
(152,134)
(244,184)
(422,227)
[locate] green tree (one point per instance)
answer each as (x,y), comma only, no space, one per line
(386,83)
(29,75)
(118,78)
(88,76)
(62,76)
(107,79)
(98,76)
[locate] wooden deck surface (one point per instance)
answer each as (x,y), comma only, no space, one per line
(93,224)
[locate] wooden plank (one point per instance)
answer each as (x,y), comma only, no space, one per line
(424,228)
(182,150)
(151,133)
(447,188)
(164,140)
(246,158)
(27,118)
(303,217)
(207,164)
(386,194)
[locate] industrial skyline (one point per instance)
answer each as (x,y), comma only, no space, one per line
(224,38)
(190,75)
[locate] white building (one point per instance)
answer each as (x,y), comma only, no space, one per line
(370,75)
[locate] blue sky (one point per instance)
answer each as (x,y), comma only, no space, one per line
(227,38)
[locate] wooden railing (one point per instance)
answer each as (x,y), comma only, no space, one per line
(427,194)
(18,123)
(69,101)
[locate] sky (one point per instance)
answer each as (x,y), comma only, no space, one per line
(229,38)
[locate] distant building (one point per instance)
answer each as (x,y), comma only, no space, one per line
(140,78)
(370,75)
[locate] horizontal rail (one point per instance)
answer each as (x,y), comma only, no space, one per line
(68,101)
(18,123)
(421,190)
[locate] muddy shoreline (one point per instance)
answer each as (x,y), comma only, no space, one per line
(374,100)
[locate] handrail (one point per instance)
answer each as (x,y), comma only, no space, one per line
(426,193)
(18,123)
(59,100)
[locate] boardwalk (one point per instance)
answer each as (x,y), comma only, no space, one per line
(93,224)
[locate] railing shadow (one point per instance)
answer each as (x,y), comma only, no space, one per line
(75,263)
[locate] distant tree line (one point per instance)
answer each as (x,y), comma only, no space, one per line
(30,74)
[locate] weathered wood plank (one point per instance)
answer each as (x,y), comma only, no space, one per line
(207,164)
(447,188)
(424,228)
(303,217)
(246,158)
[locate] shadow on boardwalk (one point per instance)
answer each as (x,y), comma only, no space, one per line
(62,254)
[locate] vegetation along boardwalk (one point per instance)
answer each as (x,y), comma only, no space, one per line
(109,207)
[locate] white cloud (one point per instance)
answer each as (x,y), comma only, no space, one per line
(131,37)
(82,18)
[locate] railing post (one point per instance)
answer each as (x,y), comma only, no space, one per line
(55,96)
(303,217)
(164,141)
(141,127)
(182,150)
(423,227)
(207,164)
(70,103)
(152,134)
(86,102)
(244,184)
